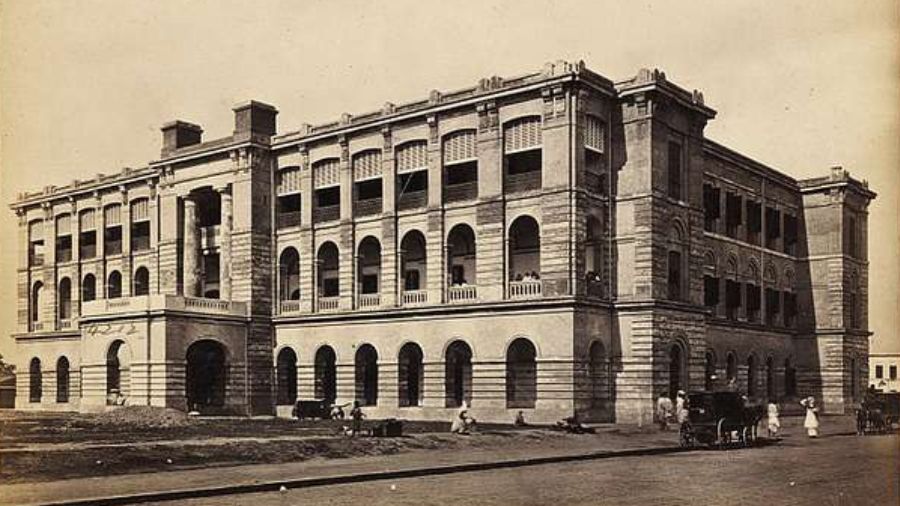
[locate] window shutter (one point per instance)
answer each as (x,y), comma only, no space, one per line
(326,173)
(36,230)
(63,225)
(594,134)
(288,180)
(412,156)
(522,134)
(87,220)
(112,215)
(140,210)
(367,165)
(459,147)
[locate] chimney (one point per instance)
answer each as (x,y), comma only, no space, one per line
(254,120)
(178,134)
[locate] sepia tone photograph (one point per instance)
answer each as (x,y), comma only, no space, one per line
(437,253)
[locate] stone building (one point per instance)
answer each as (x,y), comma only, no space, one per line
(555,243)
(883,371)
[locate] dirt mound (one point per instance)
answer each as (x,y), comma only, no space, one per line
(143,416)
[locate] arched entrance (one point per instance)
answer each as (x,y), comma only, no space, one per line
(751,376)
(676,370)
(118,377)
(62,380)
(598,368)
(35,381)
(770,378)
(367,375)
(524,250)
(286,377)
(325,374)
(521,374)
(710,371)
(205,375)
(410,375)
(458,374)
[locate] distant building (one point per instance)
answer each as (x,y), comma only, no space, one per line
(555,243)
(883,371)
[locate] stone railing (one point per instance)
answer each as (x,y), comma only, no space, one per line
(290,306)
(65,324)
(414,297)
(525,289)
(369,300)
(206,304)
(462,293)
(329,303)
(163,302)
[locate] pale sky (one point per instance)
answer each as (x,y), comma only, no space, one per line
(799,85)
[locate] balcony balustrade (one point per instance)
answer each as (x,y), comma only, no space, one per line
(414,297)
(526,181)
(329,303)
(369,300)
(462,293)
(460,192)
(326,213)
(65,324)
(161,302)
(412,200)
(525,289)
(287,220)
(367,207)
(290,306)
(37,326)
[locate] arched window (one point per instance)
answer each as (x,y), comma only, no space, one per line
(730,367)
(593,260)
(62,380)
(413,261)
(289,272)
(410,375)
(35,381)
(369,266)
(37,291)
(114,285)
(142,281)
(325,374)
(675,264)
(751,376)
(677,370)
(710,371)
(118,377)
(65,301)
(366,365)
(521,374)
(328,262)
(88,288)
(461,256)
(770,378)
(790,379)
(286,377)
(598,369)
(457,374)
(524,250)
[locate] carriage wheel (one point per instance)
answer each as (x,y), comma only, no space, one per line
(746,436)
(721,436)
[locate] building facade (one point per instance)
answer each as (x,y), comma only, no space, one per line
(554,243)
(883,371)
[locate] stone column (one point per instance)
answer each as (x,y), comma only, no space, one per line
(225,240)
(127,264)
(191,246)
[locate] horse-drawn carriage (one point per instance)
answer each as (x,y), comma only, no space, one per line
(719,418)
(879,412)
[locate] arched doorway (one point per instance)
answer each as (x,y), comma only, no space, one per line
(325,374)
(65,302)
(286,377)
(62,380)
(205,375)
(730,367)
(369,266)
(88,288)
(598,370)
(413,261)
(751,376)
(289,272)
(35,381)
(114,285)
(676,370)
(37,291)
(461,265)
(770,378)
(366,365)
(521,374)
(327,281)
(790,379)
(410,375)
(458,374)
(709,371)
(524,250)
(118,377)
(141,281)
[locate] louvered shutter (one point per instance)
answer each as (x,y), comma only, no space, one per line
(87,220)
(459,147)
(595,134)
(522,134)
(367,165)
(112,215)
(36,230)
(63,225)
(288,181)
(326,173)
(412,156)
(140,210)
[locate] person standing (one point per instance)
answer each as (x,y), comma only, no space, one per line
(774,423)
(462,421)
(664,410)
(681,411)
(356,414)
(811,423)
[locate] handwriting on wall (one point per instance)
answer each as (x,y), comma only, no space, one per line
(105,329)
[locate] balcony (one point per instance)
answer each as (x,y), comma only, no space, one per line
(145,303)
(462,294)
(414,297)
(367,207)
(369,300)
(522,182)
(65,324)
(327,304)
(287,220)
(326,213)
(595,288)
(37,326)
(290,306)
(460,192)
(525,289)
(412,200)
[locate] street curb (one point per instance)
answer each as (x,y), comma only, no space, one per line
(274,486)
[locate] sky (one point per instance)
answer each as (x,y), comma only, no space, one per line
(799,85)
